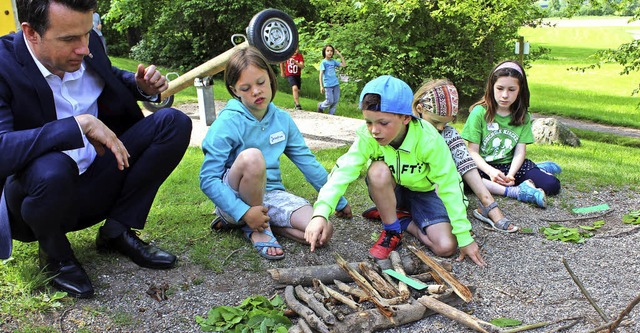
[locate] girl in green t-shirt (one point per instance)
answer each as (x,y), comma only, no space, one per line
(498,130)
(436,101)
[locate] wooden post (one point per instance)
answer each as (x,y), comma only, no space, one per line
(521,50)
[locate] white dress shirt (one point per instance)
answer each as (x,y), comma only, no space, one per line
(74,94)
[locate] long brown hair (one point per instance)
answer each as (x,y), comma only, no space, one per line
(520,107)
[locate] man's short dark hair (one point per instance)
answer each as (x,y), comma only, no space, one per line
(36,12)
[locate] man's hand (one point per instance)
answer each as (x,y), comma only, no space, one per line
(100,136)
(473,251)
(256,218)
(318,232)
(150,81)
(345,213)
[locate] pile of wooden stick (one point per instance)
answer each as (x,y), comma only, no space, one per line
(376,302)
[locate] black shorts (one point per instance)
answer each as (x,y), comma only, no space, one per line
(295,81)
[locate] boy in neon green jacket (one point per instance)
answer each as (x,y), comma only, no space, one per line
(407,160)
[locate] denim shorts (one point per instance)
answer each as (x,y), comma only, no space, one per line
(281,205)
(426,207)
(294,81)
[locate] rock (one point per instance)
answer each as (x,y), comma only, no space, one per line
(552,131)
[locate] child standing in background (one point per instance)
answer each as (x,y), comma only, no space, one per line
(498,130)
(292,69)
(97,27)
(329,83)
(437,102)
(408,159)
(241,169)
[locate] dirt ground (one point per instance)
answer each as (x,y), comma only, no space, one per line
(525,278)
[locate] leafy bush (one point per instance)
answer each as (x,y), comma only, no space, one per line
(185,34)
(413,40)
(416,40)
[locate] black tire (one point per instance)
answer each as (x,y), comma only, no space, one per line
(155,106)
(274,34)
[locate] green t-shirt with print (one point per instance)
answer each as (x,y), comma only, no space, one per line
(498,139)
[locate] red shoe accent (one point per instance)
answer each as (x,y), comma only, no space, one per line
(373,214)
(387,242)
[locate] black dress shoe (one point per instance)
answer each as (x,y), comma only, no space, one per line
(67,275)
(138,251)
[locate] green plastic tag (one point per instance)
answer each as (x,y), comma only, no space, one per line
(415,284)
(591,209)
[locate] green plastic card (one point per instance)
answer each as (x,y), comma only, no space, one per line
(591,209)
(413,283)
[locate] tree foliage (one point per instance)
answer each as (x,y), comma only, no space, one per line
(183,34)
(414,40)
(417,40)
(570,8)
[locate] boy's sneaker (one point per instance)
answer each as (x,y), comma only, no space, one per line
(298,107)
(373,213)
(549,167)
(319,108)
(388,241)
(529,193)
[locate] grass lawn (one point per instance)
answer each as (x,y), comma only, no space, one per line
(601,95)
(602,160)
(309,95)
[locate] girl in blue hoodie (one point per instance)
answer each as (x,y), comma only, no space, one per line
(241,169)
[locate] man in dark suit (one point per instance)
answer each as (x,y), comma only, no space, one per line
(76,148)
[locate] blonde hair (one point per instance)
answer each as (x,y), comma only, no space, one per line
(436,107)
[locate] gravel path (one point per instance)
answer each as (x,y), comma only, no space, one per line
(319,129)
(525,278)
(324,131)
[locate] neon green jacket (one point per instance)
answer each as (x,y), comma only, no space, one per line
(422,162)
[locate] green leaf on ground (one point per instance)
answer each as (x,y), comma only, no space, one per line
(506,322)
(632,218)
(254,314)
(573,235)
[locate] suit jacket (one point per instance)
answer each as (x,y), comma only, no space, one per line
(29,126)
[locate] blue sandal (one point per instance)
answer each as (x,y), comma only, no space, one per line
(262,247)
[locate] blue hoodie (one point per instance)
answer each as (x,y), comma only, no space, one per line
(236,130)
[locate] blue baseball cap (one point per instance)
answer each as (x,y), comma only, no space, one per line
(395,95)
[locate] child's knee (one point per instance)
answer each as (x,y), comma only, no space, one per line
(378,172)
(555,187)
(550,186)
(251,160)
(444,247)
(251,155)
(301,217)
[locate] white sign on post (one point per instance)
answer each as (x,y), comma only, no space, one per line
(525,49)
